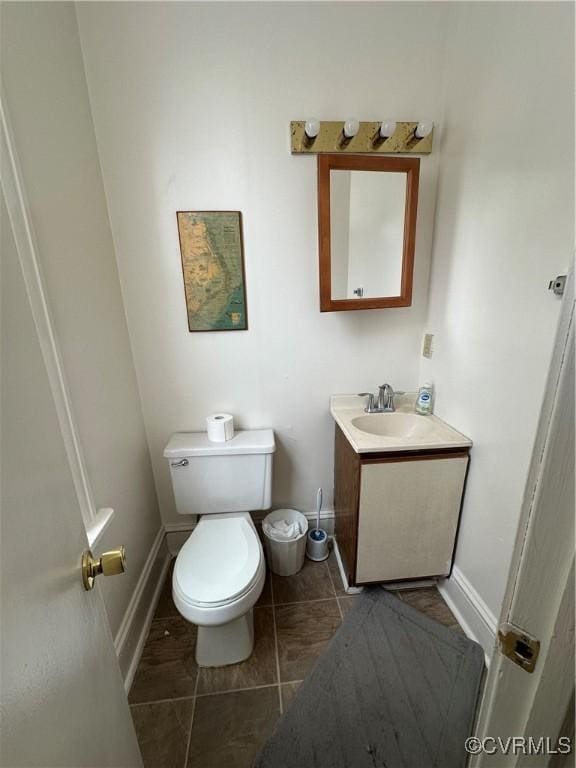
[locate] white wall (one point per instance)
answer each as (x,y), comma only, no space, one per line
(192,104)
(47,101)
(504,228)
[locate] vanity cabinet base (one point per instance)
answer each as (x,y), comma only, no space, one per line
(397,513)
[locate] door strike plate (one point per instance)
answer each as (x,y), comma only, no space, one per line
(518,646)
(557,285)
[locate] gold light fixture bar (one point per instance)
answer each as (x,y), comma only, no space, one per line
(366,141)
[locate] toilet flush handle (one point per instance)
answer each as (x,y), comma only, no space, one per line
(182,463)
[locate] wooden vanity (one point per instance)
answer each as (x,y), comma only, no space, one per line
(397,511)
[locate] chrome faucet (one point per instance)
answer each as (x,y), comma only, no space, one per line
(385,402)
(385,398)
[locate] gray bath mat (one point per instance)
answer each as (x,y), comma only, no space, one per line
(394,689)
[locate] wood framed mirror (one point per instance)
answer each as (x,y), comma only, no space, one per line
(367,209)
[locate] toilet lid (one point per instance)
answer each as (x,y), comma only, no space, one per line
(219,561)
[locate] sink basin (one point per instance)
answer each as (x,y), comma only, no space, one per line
(403,430)
(403,425)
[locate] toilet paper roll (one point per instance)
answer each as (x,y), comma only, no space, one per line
(220,427)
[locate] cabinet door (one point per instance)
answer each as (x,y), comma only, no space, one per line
(408,518)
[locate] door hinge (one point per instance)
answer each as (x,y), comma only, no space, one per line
(518,646)
(557,285)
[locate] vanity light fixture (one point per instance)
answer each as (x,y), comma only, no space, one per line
(423,129)
(352,136)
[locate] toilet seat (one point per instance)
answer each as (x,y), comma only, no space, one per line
(220,562)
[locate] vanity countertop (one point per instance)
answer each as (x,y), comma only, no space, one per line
(403,430)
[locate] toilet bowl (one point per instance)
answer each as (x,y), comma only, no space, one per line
(220,571)
(218,577)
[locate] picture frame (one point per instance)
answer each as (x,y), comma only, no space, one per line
(212,256)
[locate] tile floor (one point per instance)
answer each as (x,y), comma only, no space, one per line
(187,717)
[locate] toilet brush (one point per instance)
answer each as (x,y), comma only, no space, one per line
(317,541)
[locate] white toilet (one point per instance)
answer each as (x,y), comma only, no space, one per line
(220,571)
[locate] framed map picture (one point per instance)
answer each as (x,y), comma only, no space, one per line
(213,269)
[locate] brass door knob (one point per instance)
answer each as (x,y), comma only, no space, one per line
(110,563)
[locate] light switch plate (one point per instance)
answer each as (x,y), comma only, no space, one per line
(427,346)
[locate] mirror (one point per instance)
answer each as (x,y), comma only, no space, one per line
(367,229)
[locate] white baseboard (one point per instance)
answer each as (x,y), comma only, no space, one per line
(187,524)
(327,519)
(473,615)
(176,532)
(133,630)
(347,588)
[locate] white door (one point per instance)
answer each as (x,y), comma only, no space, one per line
(62,698)
(540,593)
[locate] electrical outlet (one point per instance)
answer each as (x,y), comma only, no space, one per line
(427,346)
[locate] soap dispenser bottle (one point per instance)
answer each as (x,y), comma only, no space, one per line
(424,401)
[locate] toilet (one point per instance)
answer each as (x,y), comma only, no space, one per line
(220,571)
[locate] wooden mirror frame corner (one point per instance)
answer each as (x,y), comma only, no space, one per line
(341,162)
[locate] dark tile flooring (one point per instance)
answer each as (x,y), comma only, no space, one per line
(186,717)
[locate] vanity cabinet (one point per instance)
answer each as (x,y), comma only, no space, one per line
(397,512)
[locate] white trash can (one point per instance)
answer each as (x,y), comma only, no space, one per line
(286,558)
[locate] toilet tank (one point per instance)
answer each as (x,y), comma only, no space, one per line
(210,478)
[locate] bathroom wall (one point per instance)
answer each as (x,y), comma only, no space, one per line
(504,228)
(45,92)
(192,104)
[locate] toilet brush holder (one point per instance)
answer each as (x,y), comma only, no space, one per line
(317,545)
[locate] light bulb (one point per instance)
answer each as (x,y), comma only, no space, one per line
(351,127)
(312,127)
(387,128)
(423,129)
